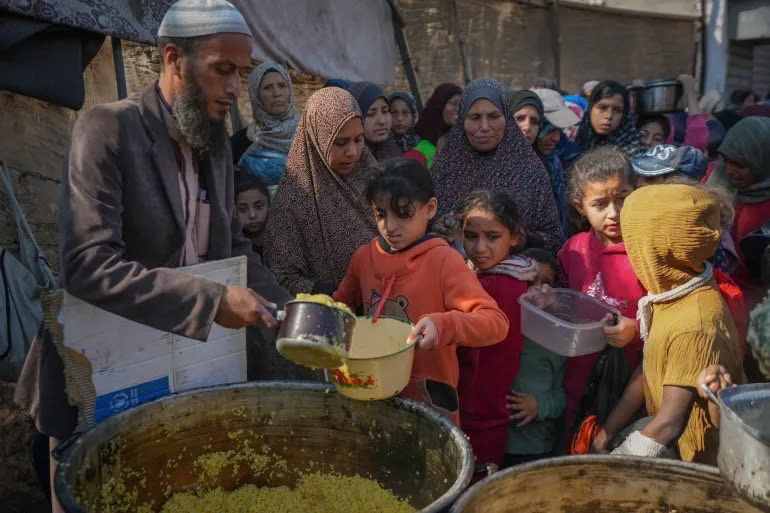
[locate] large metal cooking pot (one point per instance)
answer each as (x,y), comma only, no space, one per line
(407,447)
(744,440)
(603,484)
(659,97)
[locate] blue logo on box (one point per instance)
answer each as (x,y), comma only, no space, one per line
(119,400)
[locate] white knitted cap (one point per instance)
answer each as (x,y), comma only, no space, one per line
(195,18)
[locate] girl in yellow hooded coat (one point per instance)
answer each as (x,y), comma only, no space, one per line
(670,232)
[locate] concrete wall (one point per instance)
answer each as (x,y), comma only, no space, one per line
(668,7)
(512,42)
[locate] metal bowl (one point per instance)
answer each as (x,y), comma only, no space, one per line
(659,97)
(405,446)
(315,335)
(603,484)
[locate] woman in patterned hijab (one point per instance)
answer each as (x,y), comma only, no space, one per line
(607,120)
(319,218)
(495,158)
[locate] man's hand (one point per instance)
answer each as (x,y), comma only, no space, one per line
(524,406)
(620,334)
(241,307)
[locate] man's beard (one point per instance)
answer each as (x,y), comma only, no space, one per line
(197,129)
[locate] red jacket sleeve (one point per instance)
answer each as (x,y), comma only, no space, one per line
(471,317)
(697,132)
(349,291)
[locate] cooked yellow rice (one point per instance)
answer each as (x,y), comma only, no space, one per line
(314,493)
(323,299)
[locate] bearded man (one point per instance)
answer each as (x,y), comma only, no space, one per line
(148,187)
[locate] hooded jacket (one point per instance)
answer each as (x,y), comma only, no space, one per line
(431,279)
(670,232)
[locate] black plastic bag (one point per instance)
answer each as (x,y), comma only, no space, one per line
(609,379)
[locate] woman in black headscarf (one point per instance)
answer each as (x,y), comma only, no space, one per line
(607,120)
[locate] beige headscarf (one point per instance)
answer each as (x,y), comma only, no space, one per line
(319,219)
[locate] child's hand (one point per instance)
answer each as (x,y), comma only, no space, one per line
(715,377)
(447,227)
(620,334)
(525,406)
(599,445)
(541,296)
(428,333)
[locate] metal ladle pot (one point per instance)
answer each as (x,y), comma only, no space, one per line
(314,335)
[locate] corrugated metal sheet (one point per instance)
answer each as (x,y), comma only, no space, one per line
(761,69)
(740,66)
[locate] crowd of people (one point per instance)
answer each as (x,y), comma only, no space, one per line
(378,202)
(447,217)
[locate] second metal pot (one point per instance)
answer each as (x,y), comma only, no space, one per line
(744,441)
(659,97)
(315,335)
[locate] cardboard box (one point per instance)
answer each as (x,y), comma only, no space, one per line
(112,364)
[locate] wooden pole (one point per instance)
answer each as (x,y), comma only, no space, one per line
(120,70)
(455,29)
(556,43)
(406,58)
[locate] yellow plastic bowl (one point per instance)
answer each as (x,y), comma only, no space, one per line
(379,360)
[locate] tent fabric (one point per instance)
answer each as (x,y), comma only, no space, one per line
(134,20)
(346,39)
(45,61)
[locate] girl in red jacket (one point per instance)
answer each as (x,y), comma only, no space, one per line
(493,232)
(422,280)
(594,261)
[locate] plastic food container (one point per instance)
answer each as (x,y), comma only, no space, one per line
(570,326)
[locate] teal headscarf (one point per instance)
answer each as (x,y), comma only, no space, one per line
(747,142)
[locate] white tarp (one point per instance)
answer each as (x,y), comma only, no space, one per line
(348,39)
